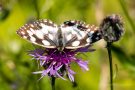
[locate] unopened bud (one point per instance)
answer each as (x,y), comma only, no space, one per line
(112,28)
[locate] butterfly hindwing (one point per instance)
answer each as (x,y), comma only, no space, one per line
(41,32)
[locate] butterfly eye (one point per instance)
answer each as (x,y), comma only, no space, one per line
(69,23)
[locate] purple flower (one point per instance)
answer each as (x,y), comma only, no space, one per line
(57,63)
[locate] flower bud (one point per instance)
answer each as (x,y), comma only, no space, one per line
(112,28)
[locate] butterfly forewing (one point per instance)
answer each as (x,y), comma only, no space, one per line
(77,34)
(41,32)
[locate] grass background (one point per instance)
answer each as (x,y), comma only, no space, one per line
(16,66)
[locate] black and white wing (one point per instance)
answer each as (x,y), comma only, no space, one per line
(41,32)
(77,34)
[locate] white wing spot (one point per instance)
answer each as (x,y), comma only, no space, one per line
(31,25)
(73,21)
(79,36)
(24,37)
(87,26)
(29,32)
(50,22)
(55,25)
(45,20)
(32,39)
(96,28)
(42,24)
(82,33)
(91,32)
(24,27)
(44,28)
(88,30)
(50,36)
(33,31)
(76,43)
(39,34)
(22,32)
(44,31)
(73,32)
(69,37)
(88,40)
(45,42)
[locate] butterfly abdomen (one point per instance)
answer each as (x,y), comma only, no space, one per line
(60,40)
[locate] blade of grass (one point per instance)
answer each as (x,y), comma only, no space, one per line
(36,8)
(126,60)
(124,8)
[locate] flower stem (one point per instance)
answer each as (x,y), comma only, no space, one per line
(74,84)
(53,83)
(110,62)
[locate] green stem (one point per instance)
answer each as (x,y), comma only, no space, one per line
(53,83)
(36,8)
(124,8)
(74,84)
(111,64)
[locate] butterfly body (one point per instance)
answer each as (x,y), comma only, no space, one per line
(61,43)
(69,35)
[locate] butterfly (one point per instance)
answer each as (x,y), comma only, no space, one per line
(72,34)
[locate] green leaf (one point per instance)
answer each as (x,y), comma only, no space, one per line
(126,60)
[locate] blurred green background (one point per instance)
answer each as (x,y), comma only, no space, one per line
(16,66)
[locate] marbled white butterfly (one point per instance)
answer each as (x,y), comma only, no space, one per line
(70,35)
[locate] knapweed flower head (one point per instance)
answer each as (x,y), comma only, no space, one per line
(112,28)
(57,63)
